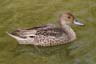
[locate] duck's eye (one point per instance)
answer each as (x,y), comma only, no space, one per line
(68,17)
(31,36)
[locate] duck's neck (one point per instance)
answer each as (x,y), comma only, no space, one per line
(70,33)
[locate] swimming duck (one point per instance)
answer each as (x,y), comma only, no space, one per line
(48,35)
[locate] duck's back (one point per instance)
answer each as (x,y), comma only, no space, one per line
(50,37)
(42,36)
(56,32)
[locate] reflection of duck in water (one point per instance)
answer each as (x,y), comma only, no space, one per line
(48,35)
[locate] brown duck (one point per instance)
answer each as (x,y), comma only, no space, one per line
(48,35)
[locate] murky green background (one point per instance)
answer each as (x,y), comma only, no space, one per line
(28,13)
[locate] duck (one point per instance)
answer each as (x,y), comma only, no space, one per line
(48,35)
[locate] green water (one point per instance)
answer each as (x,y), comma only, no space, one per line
(28,13)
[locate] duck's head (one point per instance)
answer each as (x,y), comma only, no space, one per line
(68,18)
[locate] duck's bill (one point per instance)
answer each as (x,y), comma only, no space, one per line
(78,23)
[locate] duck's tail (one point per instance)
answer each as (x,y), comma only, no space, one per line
(14,36)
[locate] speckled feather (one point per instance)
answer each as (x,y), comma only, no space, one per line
(44,35)
(48,35)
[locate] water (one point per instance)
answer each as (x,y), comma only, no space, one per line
(29,13)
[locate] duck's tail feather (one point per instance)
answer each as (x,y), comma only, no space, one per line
(14,36)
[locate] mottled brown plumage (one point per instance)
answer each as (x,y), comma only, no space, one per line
(48,35)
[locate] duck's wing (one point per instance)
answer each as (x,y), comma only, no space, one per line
(54,32)
(40,36)
(23,33)
(42,27)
